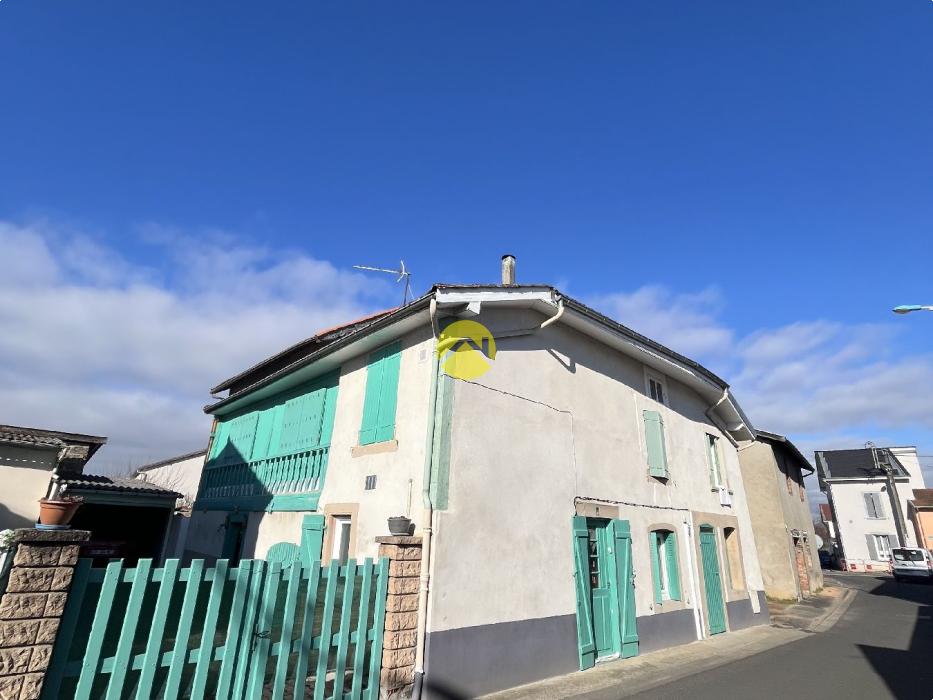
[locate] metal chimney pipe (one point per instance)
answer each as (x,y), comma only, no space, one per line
(508,269)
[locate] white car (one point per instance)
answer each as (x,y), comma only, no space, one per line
(908,562)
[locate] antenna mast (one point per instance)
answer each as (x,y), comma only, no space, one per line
(403,274)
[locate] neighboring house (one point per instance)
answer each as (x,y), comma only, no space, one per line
(920,512)
(181,474)
(128,519)
(773,470)
(870,516)
(580,501)
(29,458)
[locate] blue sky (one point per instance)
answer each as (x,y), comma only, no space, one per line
(748,182)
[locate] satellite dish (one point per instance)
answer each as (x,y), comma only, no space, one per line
(819,542)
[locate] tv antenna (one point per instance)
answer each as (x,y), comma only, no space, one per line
(403,274)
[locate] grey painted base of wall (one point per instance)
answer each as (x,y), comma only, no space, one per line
(664,630)
(741,615)
(471,661)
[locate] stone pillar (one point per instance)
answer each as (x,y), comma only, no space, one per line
(401,628)
(32,607)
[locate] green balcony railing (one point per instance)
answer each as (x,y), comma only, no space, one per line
(285,482)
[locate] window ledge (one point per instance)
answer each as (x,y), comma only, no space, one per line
(374,448)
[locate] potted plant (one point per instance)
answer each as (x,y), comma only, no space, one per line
(399,525)
(59,510)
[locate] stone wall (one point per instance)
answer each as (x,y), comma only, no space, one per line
(32,607)
(401,626)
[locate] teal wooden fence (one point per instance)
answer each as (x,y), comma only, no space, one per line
(255,630)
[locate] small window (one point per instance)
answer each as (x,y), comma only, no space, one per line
(340,548)
(800,485)
(656,387)
(880,546)
(874,508)
(715,464)
(664,568)
(734,557)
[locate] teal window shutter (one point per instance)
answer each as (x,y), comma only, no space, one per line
(654,544)
(673,573)
(586,642)
(654,440)
(312,538)
(379,404)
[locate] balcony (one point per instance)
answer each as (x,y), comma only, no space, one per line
(285,482)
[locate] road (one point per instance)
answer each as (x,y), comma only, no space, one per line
(881,648)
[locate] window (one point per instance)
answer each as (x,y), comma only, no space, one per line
(663,546)
(715,465)
(340,548)
(656,387)
(800,487)
(654,442)
(874,508)
(734,557)
(880,546)
(381,395)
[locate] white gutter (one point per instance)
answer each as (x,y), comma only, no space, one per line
(428,515)
(718,422)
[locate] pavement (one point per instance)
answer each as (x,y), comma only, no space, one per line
(866,636)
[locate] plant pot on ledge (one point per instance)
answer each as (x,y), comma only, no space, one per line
(58,512)
(399,525)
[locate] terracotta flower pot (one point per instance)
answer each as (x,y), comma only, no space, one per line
(57,512)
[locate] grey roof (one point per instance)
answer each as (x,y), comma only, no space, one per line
(855,464)
(791,447)
(115,484)
(171,460)
(17,436)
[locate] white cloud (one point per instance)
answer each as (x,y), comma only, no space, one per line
(93,342)
(827,385)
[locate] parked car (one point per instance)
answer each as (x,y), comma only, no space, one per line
(826,559)
(909,562)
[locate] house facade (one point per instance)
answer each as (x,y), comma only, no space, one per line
(579,500)
(773,470)
(30,458)
(920,511)
(870,516)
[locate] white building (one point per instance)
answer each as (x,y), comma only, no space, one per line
(581,500)
(869,519)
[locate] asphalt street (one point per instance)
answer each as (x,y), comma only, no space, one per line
(881,648)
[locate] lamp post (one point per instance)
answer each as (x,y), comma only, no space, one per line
(888,472)
(907,308)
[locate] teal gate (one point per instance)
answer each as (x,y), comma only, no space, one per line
(255,630)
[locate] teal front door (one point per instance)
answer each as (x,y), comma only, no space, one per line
(605,589)
(598,566)
(715,611)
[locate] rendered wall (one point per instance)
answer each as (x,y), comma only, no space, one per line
(24,474)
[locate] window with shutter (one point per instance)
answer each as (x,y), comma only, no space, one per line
(654,442)
(673,571)
(715,466)
(874,508)
(379,404)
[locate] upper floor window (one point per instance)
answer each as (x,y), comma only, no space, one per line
(716,476)
(656,387)
(874,508)
(381,395)
(664,569)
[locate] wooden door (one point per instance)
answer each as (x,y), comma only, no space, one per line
(715,609)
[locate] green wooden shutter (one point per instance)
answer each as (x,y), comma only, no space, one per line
(309,422)
(312,538)
(374,374)
(673,573)
(653,545)
(385,424)
(381,398)
(654,439)
(586,643)
(242,435)
(221,435)
(625,584)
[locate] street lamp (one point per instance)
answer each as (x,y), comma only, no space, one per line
(907,308)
